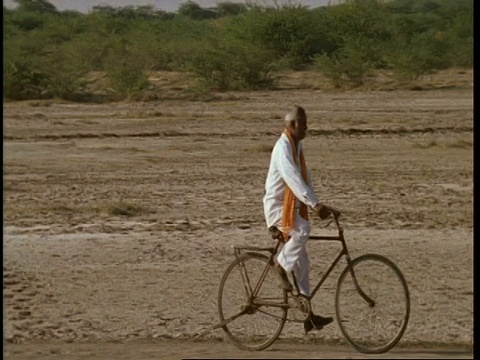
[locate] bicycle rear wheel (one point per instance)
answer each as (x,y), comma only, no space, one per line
(372,328)
(257,326)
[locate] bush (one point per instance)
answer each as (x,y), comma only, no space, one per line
(126,73)
(231,46)
(55,72)
(462,53)
(233,65)
(27,21)
(292,34)
(356,19)
(23,81)
(171,45)
(194,11)
(424,54)
(349,64)
(65,70)
(37,6)
(126,81)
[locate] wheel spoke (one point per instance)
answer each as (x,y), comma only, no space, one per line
(372,329)
(246,282)
(269,314)
(228,320)
(259,324)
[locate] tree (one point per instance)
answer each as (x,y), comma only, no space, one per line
(228,8)
(194,11)
(39,6)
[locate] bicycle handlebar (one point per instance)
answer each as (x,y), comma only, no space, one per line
(335,212)
(336,215)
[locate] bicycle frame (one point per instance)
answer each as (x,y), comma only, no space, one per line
(252,293)
(343,252)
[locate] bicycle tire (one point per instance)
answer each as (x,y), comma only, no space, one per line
(241,333)
(392,294)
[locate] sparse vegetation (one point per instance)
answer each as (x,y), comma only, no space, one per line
(263,148)
(233,46)
(123,208)
(459,144)
(430,144)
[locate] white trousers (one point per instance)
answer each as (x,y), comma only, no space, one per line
(294,257)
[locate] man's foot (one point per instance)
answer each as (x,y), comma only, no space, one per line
(316,322)
(282,276)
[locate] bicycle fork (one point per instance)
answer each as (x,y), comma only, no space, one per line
(365,297)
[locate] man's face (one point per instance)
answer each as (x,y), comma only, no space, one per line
(300,131)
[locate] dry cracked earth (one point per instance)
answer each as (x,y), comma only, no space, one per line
(119,218)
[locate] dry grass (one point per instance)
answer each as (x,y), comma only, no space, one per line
(122,208)
(445,144)
(262,148)
(460,144)
(427,145)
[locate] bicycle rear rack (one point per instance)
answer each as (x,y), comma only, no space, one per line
(238,249)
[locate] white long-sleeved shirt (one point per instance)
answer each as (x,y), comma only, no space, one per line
(285,172)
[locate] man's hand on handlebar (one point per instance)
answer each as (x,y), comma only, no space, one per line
(336,213)
(324,211)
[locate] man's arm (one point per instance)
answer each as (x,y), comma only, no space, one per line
(309,177)
(292,176)
(309,174)
(319,208)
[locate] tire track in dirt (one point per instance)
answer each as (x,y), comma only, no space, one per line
(334,132)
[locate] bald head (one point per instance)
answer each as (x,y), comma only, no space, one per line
(296,123)
(294,115)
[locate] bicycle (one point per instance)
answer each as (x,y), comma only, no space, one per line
(362,287)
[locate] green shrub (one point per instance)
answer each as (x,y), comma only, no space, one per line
(37,6)
(230,8)
(462,53)
(126,80)
(65,72)
(194,11)
(233,65)
(55,72)
(364,19)
(27,21)
(126,73)
(169,45)
(231,46)
(292,34)
(23,81)
(349,64)
(424,54)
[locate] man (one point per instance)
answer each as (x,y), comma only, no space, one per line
(288,192)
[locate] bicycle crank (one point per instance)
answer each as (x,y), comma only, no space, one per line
(244,309)
(299,306)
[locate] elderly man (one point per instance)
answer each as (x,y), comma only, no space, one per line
(288,192)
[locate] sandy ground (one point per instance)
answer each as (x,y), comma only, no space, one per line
(119,218)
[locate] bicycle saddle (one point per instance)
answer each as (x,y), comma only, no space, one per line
(276,233)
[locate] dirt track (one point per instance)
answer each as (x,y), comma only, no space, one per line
(119,218)
(171,349)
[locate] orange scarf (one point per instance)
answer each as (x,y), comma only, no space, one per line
(289,200)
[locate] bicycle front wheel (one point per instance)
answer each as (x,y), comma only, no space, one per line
(251,325)
(374,315)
